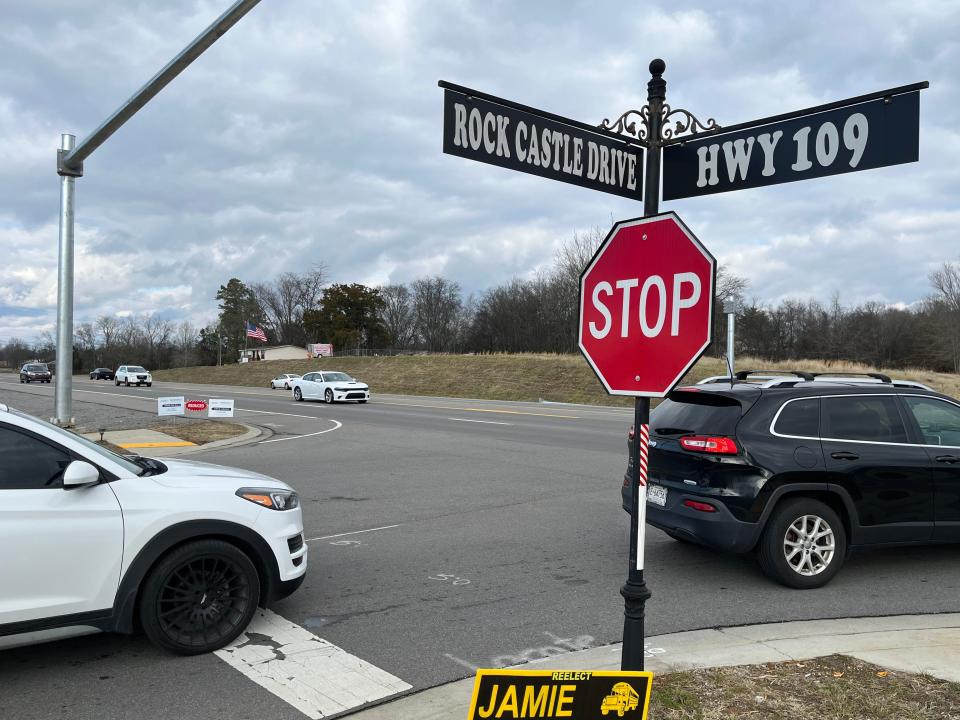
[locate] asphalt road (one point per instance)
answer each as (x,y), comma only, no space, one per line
(447,534)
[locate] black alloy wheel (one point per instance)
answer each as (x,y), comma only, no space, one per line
(297,394)
(200,597)
(328,396)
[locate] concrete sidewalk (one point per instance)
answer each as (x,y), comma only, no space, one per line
(927,644)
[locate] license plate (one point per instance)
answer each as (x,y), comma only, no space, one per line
(657,495)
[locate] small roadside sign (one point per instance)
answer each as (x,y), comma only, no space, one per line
(196,405)
(220,408)
(574,694)
(500,132)
(170,406)
(846,136)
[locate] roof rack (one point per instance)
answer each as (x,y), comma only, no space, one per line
(876,376)
(744,374)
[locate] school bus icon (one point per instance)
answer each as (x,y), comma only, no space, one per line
(621,699)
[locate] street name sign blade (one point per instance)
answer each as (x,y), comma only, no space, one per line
(862,136)
(540,144)
(646,305)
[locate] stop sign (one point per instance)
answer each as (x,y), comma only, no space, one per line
(646,305)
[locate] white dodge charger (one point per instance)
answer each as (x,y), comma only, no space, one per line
(330,387)
(95,541)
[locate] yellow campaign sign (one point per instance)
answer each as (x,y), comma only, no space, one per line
(549,694)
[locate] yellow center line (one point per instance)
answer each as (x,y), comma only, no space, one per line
(486,410)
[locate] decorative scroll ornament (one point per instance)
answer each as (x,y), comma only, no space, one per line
(626,124)
(636,123)
(687,123)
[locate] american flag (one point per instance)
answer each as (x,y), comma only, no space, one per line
(256,332)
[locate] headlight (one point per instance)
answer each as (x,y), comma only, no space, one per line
(271,498)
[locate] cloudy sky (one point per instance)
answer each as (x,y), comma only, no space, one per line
(311,133)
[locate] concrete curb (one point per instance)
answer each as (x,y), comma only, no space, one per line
(254,433)
(928,644)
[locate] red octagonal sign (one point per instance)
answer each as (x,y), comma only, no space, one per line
(646,305)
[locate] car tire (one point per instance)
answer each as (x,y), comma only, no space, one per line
(286,386)
(792,549)
(127,383)
(361,401)
(328,396)
(149,384)
(176,608)
(297,395)
(21,381)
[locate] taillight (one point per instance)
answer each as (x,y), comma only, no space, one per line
(709,444)
(701,506)
(631,433)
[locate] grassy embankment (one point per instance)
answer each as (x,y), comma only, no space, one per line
(558,378)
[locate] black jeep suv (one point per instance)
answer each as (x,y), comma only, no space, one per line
(802,469)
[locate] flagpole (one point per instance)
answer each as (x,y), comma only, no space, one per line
(245,338)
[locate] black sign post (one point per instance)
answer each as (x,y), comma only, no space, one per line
(697,158)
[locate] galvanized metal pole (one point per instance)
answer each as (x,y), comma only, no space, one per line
(70,166)
(63,387)
(730,309)
(635,592)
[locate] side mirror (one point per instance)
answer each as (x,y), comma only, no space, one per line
(79,473)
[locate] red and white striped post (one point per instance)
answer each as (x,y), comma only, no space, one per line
(643,449)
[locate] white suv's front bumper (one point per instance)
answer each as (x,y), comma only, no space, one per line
(283,531)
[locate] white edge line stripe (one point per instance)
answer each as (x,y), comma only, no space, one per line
(337,426)
(355,532)
(485,422)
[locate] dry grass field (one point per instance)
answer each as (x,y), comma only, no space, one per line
(558,378)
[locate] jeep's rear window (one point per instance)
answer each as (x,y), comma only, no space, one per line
(696,413)
(800,418)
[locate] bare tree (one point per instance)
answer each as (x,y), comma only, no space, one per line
(946,283)
(398,315)
(437,309)
(186,341)
(286,298)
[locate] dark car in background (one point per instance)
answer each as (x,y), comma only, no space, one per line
(35,372)
(101,374)
(801,469)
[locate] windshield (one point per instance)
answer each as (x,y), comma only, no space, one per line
(126,463)
(135,368)
(336,377)
(35,367)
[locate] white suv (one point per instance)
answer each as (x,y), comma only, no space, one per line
(92,540)
(132,375)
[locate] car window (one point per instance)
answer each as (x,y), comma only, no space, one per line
(136,369)
(874,418)
(336,377)
(939,420)
(29,463)
(310,377)
(800,418)
(90,446)
(696,413)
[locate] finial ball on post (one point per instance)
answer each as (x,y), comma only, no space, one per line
(657,66)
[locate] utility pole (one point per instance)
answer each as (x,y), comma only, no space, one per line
(70,159)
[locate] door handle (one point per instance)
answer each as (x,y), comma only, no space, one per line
(951,459)
(844,455)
